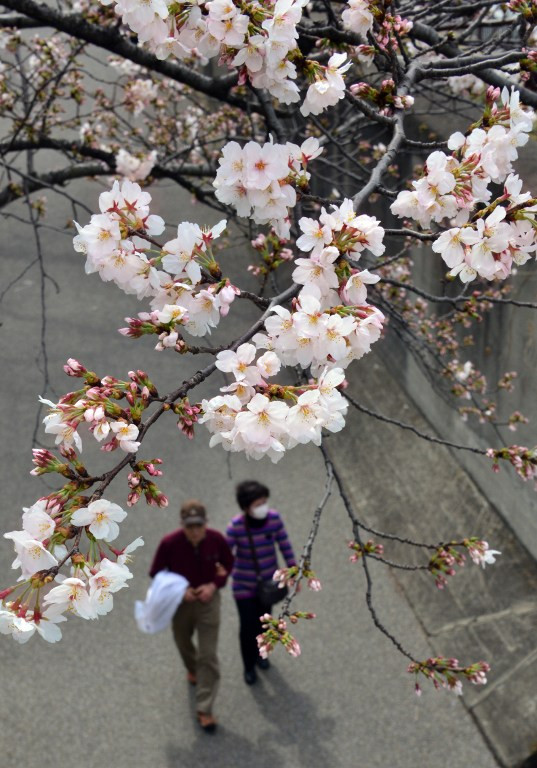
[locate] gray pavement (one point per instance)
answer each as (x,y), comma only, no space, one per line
(107,694)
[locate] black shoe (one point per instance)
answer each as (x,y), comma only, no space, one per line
(207,722)
(263,663)
(250,676)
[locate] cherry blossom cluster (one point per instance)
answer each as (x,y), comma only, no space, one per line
(266,420)
(188,414)
(288,577)
(341,228)
(317,339)
(442,563)
(390,28)
(273,252)
(468,381)
(133,167)
(362,550)
(499,234)
(42,596)
(110,245)
(490,245)
(524,460)
(358,17)
(447,556)
(140,485)
(331,323)
(260,38)
(119,244)
(71,530)
(466,85)
(260,181)
(480,552)
(447,673)
(527,8)
(96,406)
(140,93)
(327,86)
(385,98)
(276,633)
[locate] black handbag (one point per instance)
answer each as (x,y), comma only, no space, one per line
(267,591)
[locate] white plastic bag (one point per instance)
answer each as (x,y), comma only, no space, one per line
(162,600)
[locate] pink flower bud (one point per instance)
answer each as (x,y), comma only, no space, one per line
(132,498)
(360,89)
(493,94)
(74,368)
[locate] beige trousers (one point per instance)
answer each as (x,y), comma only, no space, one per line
(204,618)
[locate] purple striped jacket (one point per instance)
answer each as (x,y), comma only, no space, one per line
(244,578)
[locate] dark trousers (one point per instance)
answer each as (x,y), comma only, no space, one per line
(250,609)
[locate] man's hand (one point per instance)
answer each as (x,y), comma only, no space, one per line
(220,571)
(190,595)
(205,592)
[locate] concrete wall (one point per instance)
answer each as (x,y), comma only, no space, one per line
(505,341)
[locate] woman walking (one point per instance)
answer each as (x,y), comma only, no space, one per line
(252,536)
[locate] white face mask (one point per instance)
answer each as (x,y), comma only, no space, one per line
(259,512)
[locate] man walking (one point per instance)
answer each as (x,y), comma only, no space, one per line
(203,557)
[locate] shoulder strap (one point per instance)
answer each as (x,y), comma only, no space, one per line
(252,548)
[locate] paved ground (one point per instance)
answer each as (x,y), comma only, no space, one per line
(109,695)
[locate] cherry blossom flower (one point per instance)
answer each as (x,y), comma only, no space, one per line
(65,431)
(252,54)
(126,435)
(101,236)
(219,413)
(101,517)
(328,90)
(37,522)
(315,237)
(171,313)
(179,257)
(32,555)
(318,270)
(263,420)
(109,578)
(22,628)
(124,555)
(14,625)
(238,363)
(71,596)
(332,342)
(355,291)
(269,364)
(226,297)
(265,164)
(305,419)
(481,554)
(358,17)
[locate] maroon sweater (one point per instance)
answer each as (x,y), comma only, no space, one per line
(197,564)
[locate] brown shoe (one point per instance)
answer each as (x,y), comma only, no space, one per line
(207,722)
(191,678)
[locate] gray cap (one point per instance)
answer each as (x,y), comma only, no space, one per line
(193,516)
